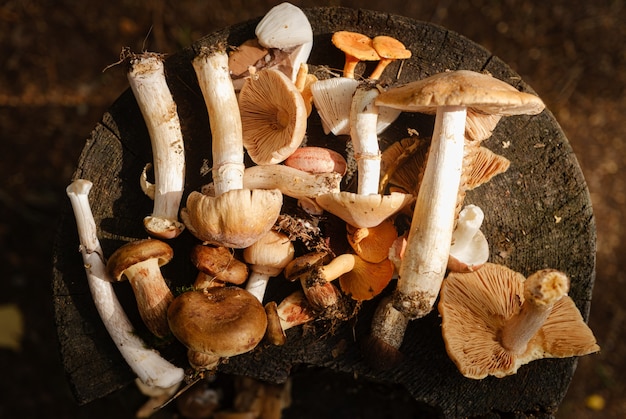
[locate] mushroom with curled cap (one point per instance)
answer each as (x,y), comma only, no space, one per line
(273,116)
(450,94)
(233,216)
(494,320)
(469,249)
(140,263)
(294,310)
(356,47)
(216,323)
(217,266)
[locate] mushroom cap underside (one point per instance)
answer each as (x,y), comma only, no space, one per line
(474,307)
(474,90)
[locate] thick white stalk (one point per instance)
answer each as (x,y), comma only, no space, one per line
(147,364)
(292,182)
(363,123)
(424,263)
(211,67)
(146,77)
(257,283)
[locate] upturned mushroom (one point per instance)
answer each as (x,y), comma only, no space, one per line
(267,258)
(216,323)
(365,208)
(149,366)
(428,246)
(469,249)
(494,320)
(140,263)
(233,217)
(146,77)
(273,116)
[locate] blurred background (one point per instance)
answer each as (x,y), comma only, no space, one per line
(53,91)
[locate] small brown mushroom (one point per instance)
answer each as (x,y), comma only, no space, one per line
(356,47)
(217,266)
(494,320)
(218,322)
(294,310)
(389,49)
(140,261)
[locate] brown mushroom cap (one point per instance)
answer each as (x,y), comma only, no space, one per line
(234,219)
(218,262)
(135,252)
(478,91)
(475,307)
(273,116)
(223,321)
(363,210)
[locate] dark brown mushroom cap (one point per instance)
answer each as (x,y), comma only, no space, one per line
(135,252)
(222,321)
(475,90)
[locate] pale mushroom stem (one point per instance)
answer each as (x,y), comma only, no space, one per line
(211,67)
(428,244)
(469,222)
(147,364)
(257,284)
(541,291)
(146,77)
(363,121)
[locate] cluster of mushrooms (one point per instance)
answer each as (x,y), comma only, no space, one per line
(406,219)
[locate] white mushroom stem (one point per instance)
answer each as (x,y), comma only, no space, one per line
(290,181)
(424,263)
(146,77)
(147,364)
(363,123)
(541,291)
(211,67)
(468,225)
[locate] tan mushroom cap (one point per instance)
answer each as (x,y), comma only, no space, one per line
(475,307)
(363,211)
(236,218)
(273,116)
(478,91)
(135,252)
(222,321)
(356,47)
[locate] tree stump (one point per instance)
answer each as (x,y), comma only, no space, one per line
(537,214)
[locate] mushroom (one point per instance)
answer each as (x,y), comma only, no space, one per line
(389,49)
(366,208)
(428,243)
(494,320)
(267,257)
(313,159)
(273,116)
(366,279)
(140,263)
(372,244)
(217,323)
(233,217)
(356,47)
(146,76)
(149,366)
(294,310)
(470,249)
(286,27)
(217,266)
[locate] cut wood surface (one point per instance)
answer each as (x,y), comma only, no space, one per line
(537,215)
